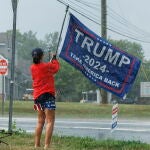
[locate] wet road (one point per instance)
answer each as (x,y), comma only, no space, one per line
(98,129)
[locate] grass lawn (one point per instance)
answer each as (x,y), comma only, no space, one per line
(26,142)
(78,110)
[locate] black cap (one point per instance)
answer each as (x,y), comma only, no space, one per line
(37,52)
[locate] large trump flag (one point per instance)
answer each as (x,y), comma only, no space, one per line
(102,63)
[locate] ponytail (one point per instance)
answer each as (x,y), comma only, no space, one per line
(36,60)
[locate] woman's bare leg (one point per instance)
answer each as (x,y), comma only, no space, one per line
(50,119)
(39,127)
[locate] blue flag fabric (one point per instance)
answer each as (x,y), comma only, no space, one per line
(102,63)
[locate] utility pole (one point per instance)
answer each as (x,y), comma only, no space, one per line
(14,6)
(104,35)
(104,19)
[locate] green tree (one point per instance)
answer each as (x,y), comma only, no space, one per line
(51,41)
(25,43)
(130,47)
(50,44)
(71,83)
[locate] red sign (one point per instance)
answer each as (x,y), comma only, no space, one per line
(3,66)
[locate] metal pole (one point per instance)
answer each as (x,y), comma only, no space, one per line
(67,8)
(3,93)
(14,6)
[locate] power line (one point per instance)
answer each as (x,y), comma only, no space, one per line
(93,20)
(121,30)
(121,21)
(85,10)
(128,26)
(88,16)
(126,29)
(88,4)
(79,12)
(115,16)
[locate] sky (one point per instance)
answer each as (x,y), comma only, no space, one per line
(130,17)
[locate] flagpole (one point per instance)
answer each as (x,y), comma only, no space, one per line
(67,8)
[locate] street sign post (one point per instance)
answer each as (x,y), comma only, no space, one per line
(3,73)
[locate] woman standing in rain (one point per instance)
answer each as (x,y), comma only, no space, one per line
(44,94)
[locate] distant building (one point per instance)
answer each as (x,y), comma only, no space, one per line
(5,45)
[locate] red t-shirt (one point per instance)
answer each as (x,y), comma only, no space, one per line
(43,77)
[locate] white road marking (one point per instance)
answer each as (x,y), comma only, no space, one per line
(96,128)
(131,127)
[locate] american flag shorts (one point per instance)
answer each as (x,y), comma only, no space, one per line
(47,104)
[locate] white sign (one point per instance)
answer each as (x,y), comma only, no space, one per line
(145,89)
